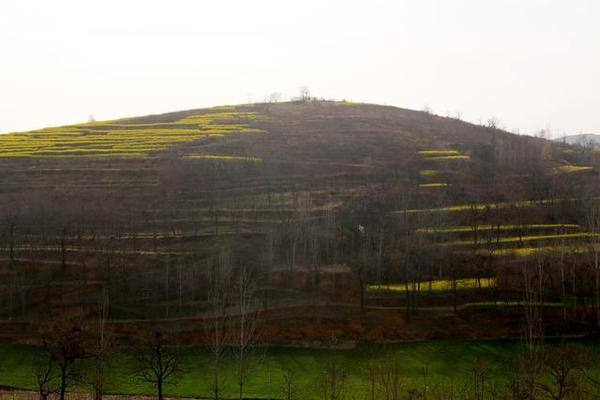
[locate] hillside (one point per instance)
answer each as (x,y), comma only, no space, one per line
(324,202)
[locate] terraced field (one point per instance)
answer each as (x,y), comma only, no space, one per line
(435,286)
(126,138)
(527,238)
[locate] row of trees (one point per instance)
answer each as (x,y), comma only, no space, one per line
(81,348)
(557,372)
(552,372)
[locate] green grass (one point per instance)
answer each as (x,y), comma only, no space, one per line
(124,138)
(467,229)
(437,286)
(421,363)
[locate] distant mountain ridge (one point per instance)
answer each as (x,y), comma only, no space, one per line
(581,139)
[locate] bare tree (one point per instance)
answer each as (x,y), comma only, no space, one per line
(217,327)
(533,278)
(46,377)
(159,359)
(101,350)
(64,340)
(481,372)
(289,385)
(247,330)
(561,365)
(390,380)
(305,93)
(274,97)
(332,383)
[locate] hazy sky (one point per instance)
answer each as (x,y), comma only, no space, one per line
(532,64)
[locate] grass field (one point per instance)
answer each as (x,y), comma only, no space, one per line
(422,364)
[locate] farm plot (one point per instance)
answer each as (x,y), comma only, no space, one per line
(568,169)
(436,155)
(443,155)
(435,185)
(434,286)
(221,158)
(482,206)
(480,228)
(429,172)
(123,138)
(526,239)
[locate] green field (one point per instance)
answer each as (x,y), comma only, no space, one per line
(421,364)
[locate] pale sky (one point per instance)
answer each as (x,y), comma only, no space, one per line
(532,64)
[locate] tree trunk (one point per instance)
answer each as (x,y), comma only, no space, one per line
(563,285)
(63,253)
(407,291)
(597,297)
(99,384)
(362,294)
(63,383)
(454,299)
(167,295)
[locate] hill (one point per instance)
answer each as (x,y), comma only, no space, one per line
(581,139)
(321,203)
